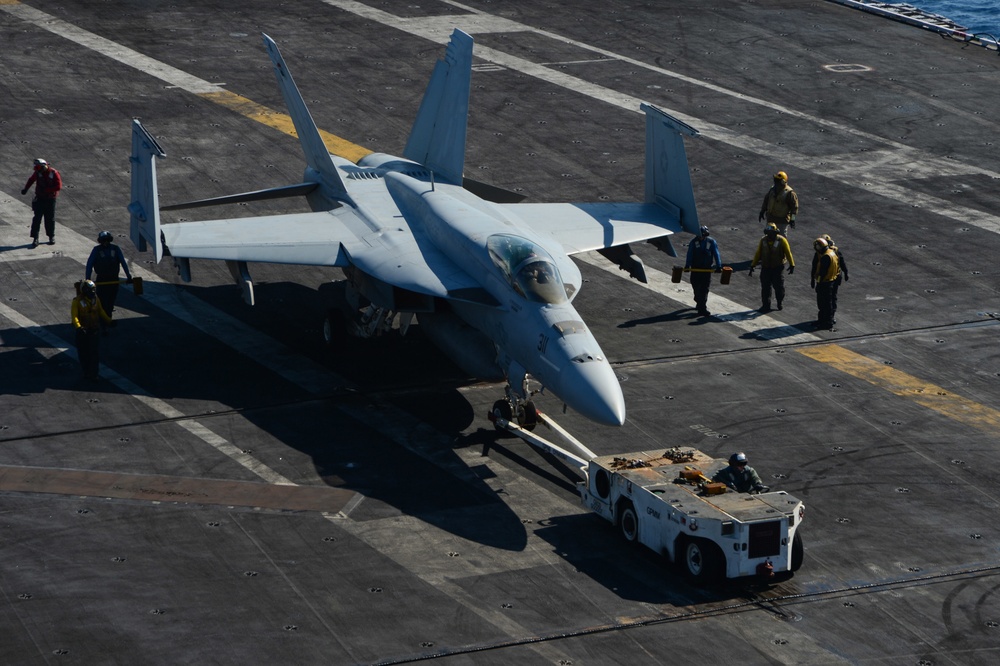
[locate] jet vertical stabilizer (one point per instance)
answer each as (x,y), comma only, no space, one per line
(668,181)
(144,206)
(317,155)
(437,139)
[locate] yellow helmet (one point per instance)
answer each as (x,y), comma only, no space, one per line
(771,228)
(781,175)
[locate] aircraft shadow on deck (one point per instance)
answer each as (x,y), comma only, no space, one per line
(348,453)
(407,372)
(170,359)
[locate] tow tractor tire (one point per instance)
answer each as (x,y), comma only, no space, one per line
(701,559)
(797,552)
(628,522)
(502,409)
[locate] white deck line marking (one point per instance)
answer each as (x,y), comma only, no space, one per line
(112,50)
(865,167)
(58,346)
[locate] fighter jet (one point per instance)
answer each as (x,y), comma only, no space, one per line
(489,278)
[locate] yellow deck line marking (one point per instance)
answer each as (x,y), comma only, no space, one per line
(282,122)
(924,393)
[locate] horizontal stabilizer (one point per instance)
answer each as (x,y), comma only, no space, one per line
(301,189)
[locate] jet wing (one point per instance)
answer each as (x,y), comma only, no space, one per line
(336,238)
(585,227)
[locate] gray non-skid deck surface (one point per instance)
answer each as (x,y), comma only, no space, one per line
(234,492)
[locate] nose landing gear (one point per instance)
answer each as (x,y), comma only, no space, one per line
(516,409)
(527,415)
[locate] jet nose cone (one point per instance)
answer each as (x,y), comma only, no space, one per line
(592,389)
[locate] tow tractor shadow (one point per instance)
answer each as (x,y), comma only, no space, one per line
(632,572)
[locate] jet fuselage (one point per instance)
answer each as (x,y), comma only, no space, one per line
(531,321)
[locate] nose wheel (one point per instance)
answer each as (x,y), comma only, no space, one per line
(526,415)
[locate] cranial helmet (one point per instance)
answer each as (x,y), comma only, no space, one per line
(40,162)
(88,288)
(704,231)
(737,458)
(781,175)
(820,244)
(771,229)
(104,236)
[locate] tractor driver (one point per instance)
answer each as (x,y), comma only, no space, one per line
(740,476)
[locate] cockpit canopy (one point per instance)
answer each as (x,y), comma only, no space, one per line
(528,268)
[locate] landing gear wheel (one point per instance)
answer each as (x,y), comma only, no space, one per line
(701,560)
(501,409)
(628,523)
(530,416)
(798,553)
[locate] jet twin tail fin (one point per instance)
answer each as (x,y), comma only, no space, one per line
(437,139)
(317,155)
(143,208)
(668,180)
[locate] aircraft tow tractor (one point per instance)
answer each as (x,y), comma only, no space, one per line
(665,500)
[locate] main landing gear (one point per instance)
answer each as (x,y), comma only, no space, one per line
(366,323)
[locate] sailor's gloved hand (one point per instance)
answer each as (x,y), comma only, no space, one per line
(751,272)
(718,270)
(760,218)
(791,269)
(812,284)
(791,223)
(762,489)
(24,191)
(845,277)
(128,281)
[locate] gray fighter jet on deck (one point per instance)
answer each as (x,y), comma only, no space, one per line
(490,280)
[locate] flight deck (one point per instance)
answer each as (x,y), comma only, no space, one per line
(235,490)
